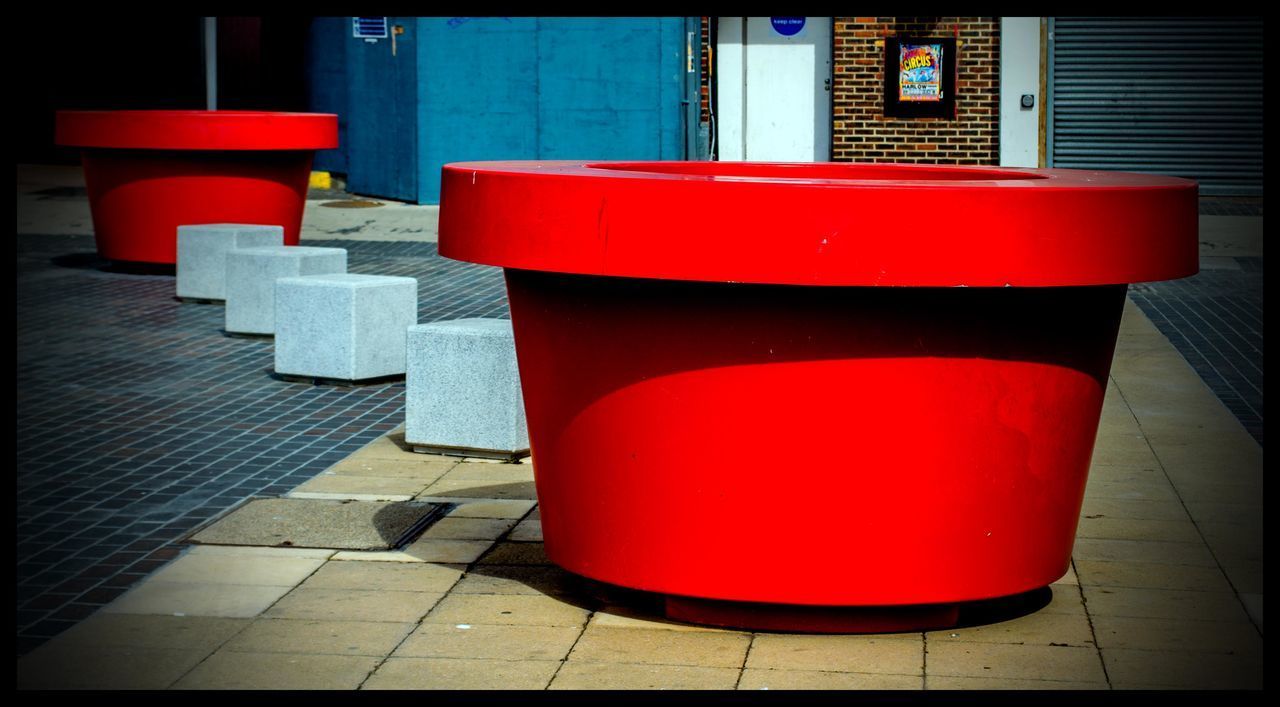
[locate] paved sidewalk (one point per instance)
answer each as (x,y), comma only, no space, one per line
(1165,590)
(1214,319)
(125,446)
(138,419)
(52,201)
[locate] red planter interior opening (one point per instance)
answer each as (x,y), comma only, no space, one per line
(817,171)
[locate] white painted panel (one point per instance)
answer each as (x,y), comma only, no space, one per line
(774,101)
(1019,75)
(730,60)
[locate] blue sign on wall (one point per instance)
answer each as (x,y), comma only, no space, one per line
(787,26)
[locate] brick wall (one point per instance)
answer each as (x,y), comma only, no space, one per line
(860,130)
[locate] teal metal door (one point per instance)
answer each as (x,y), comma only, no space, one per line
(382,99)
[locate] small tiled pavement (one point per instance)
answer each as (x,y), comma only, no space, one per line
(138,419)
(1214,319)
(1231,206)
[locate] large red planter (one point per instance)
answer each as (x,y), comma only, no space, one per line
(148,172)
(768,391)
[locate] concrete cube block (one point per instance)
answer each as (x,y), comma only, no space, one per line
(202,254)
(343,326)
(462,389)
(251,281)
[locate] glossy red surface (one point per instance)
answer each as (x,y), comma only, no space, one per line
(138,198)
(811,445)
(821,224)
(196,130)
(761,383)
(148,172)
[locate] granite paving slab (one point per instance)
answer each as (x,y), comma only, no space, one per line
(336,525)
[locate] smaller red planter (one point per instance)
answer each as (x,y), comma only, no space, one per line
(148,172)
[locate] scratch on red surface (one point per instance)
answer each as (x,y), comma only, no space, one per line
(602,226)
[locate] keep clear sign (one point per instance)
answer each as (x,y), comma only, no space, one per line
(787,26)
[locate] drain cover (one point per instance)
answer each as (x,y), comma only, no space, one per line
(337,525)
(61,193)
(351,204)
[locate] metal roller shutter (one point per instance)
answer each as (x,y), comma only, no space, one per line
(1165,95)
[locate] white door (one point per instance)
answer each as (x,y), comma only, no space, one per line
(774,83)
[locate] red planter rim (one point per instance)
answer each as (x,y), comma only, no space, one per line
(197,130)
(840,224)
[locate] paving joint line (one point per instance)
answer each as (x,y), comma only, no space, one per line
(1194,522)
(746,657)
(587,622)
(244,628)
(1093,632)
(417,625)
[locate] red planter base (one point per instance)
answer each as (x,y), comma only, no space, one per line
(811,445)
(816,619)
(140,197)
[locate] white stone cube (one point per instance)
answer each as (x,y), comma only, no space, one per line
(462,389)
(202,254)
(344,326)
(251,281)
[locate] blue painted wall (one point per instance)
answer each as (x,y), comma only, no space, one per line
(548,88)
(609,88)
(327,82)
(497,88)
(479,94)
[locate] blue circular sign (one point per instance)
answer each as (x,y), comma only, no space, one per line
(787,26)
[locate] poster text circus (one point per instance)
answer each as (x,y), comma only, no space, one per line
(919,73)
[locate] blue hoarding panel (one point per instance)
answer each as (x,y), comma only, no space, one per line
(547,88)
(672,89)
(478,93)
(327,83)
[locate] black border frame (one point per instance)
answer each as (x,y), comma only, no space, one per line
(945,108)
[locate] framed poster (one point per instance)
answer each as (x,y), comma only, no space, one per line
(920,77)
